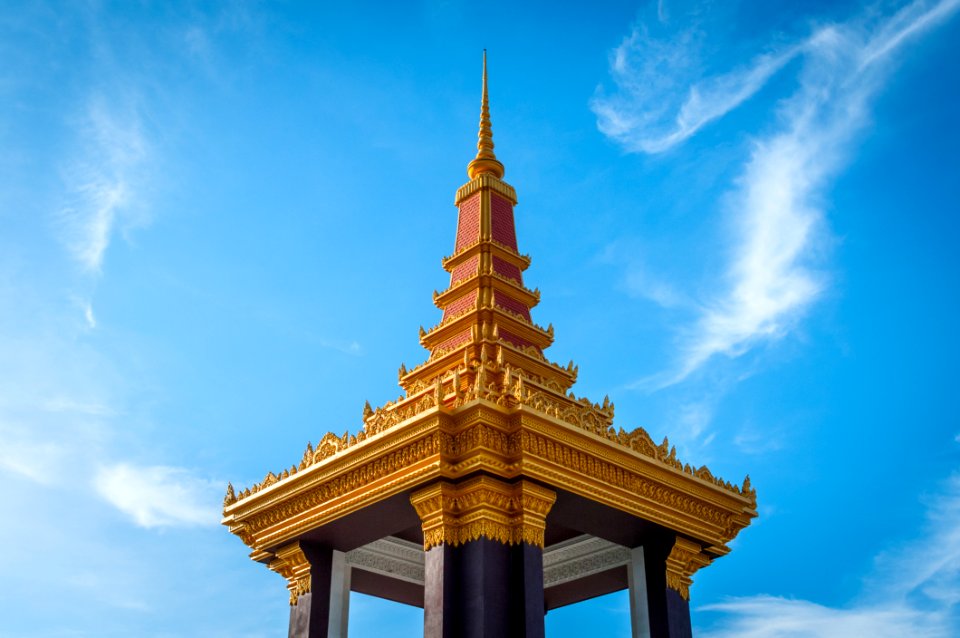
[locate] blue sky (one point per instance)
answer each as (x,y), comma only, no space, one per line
(222,226)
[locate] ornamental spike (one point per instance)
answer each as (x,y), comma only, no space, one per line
(230,497)
(485,161)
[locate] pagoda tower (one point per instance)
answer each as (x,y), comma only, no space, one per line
(488,493)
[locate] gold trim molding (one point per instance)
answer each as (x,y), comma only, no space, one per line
(483,507)
(486,180)
(477,435)
(495,380)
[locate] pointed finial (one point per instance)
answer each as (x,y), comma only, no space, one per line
(485,161)
(230,497)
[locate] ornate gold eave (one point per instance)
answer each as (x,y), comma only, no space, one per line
(482,436)
(488,279)
(496,249)
(512,355)
(473,318)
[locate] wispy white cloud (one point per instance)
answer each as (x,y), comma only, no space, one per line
(775,617)
(89,316)
(690,429)
(929,569)
(102,181)
(28,456)
(62,404)
(159,495)
(345,347)
(777,202)
(57,395)
(913,591)
(640,282)
(639,121)
(752,440)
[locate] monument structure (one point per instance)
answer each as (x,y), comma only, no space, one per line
(488,493)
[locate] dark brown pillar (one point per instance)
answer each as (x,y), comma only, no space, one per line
(678,615)
(484,589)
(668,563)
(484,559)
(310,615)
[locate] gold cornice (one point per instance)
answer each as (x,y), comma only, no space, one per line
(483,507)
(587,437)
(486,410)
(481,434)
(369,482)
(632,487)
(325,465)
(508,386)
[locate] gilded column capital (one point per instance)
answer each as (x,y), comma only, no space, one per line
(685,558)
(509,513)
(292,564)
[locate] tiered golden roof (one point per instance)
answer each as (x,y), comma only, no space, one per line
(488,401)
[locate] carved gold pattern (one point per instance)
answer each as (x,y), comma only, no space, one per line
(483,507)
(486,181)
(291,563)
(508,388)
(685,558)
(394,461)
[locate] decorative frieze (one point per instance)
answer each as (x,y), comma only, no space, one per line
(455,514)
(580,557)
(391,557)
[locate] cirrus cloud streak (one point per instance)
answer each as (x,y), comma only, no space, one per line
(778,202)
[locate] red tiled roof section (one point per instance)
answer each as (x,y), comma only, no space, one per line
(513,339)
(511,304)
(468,223)
(507,269)
(464,270)
(501,221)
(458,304)
(456,340)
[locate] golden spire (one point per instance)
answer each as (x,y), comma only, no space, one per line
(485,161)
